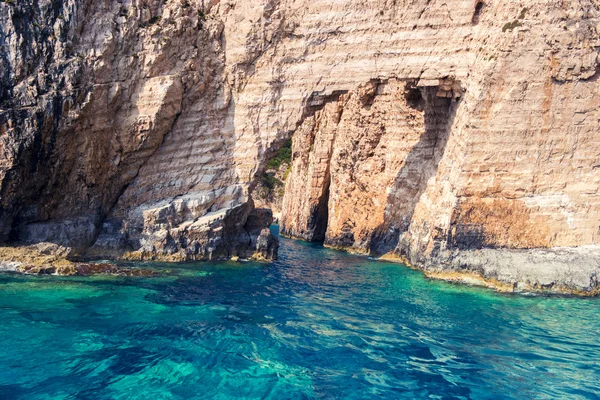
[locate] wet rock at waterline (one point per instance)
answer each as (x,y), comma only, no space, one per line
(52,259)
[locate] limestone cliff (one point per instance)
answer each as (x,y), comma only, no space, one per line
(454,184)
(424,129)
(117,129)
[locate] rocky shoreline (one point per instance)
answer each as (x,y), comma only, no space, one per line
(554,271)
(557,271)
(52,259)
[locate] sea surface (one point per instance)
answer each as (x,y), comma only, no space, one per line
(317,324)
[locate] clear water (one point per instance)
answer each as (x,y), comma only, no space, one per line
(316,324)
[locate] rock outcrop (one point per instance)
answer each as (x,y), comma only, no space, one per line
(139,128)
(362,163)
(52,259)
(117,129)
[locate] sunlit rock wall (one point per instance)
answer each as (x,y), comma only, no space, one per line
(141,126)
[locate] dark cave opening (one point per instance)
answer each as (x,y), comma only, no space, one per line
(319,218)
(414,96)
(477,13)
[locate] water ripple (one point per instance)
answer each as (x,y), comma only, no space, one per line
(317,324)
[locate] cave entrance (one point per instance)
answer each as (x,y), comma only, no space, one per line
(305,204)
(299,202)
(270,184)
(318,222)
(437,101)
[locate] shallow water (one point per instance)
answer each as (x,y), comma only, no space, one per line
(316,324)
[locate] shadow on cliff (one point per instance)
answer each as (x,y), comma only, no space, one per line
(421,164)
(77,183)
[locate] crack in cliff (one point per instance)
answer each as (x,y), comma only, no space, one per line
(477,13)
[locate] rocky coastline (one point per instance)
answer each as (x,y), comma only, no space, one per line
(52,259)
(462,138)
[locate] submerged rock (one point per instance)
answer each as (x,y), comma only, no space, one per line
(84,269)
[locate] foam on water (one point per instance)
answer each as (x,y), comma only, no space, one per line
(316,324)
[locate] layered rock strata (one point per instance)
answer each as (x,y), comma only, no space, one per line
(501,185)
(363,161)
(117,131)
(140,127)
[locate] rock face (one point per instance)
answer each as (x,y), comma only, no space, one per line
(474,184)
(117,128)
(363,162)
(421,129)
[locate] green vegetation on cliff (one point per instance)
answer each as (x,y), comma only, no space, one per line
(283,156)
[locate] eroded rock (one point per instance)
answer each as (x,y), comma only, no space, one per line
(52,259)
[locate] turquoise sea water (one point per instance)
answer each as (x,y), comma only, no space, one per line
(316,324)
